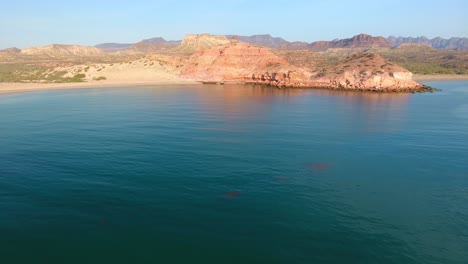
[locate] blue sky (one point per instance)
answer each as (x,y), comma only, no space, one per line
(26,23)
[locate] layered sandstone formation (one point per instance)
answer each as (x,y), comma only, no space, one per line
(239,61)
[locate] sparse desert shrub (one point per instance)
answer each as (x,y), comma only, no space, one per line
(100,78)
(21,73)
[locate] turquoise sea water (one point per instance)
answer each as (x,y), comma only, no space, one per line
(234,174)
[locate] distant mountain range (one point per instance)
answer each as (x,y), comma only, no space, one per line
(266,40)
(361,41)
(113,46)
(437,43)
(146,45)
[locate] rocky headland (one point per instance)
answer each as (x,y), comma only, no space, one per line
(243,62)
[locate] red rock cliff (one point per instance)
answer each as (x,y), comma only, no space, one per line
(238,61)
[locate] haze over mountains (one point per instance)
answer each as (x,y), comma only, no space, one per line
(359,41)
(266,40)
(437,43)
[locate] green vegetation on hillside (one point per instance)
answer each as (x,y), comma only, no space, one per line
(31,73)
(100,78)
(428,61)
(419,60)
(20,73)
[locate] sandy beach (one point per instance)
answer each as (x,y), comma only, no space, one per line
(134,73)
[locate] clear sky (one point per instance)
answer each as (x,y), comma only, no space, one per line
(26,23)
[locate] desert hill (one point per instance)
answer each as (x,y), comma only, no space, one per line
(57,50)
(414,46)
(366,70)
(10,51)
(193,43)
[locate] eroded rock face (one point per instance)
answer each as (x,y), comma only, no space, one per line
(367,72)
(243,62)
(384,80)
(238,61)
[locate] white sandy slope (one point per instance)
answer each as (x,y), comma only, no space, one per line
(140,72)
(143,70)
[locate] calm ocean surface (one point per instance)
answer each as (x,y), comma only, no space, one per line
(234,174)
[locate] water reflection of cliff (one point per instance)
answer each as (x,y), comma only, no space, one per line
(243,101)
(372,112)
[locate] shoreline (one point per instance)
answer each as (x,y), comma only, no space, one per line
(439,77)
(9,88)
